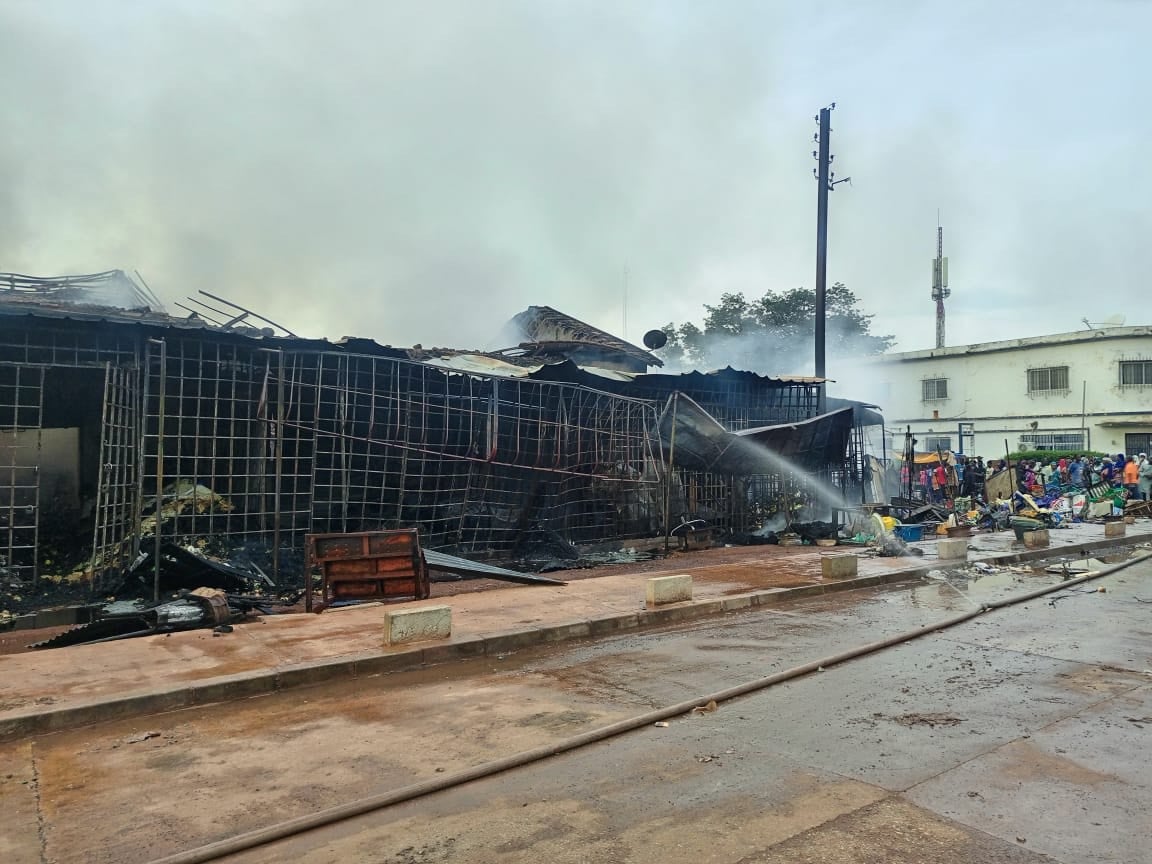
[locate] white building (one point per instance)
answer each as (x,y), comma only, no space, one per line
(1089,390)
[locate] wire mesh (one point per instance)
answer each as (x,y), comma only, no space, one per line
(479,462)
(21,397)
(739,400)
(114,541)
(209,435)
(253,443)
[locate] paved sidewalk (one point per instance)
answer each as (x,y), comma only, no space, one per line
(63,688)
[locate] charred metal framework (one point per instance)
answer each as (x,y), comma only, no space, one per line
(21,396)
(195,432)
(228,436)
(741,400)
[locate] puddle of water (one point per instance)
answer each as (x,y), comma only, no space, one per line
(989,583)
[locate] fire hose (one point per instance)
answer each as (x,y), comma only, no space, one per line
(370,803)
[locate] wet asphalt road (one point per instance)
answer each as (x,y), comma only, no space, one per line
(1021,736)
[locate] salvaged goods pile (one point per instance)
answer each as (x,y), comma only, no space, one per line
(943,494)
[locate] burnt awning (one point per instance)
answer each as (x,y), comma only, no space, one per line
(701,442)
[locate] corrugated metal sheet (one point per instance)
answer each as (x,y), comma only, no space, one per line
(482,364)
(487,364)
(544,324)
(703,444)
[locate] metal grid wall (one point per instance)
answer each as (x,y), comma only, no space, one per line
(66,344)
(244,442)
(746,404)
(853,477)
(745,504)
(21,395)
(114,541)
(227,439)
(480,463)
(742,505)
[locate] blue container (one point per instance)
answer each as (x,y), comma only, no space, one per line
(909,533)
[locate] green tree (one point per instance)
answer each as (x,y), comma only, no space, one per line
(773,334)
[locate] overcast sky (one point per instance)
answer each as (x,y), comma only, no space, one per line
(418,172)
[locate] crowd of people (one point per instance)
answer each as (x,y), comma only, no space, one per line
(967,477)
(1133,473)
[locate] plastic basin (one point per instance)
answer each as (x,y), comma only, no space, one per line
(909,533)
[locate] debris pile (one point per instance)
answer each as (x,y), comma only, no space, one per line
(200,608)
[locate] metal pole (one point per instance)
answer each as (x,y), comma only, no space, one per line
(909,460)
(98,536)
(159,466)
(279,468)
(940,291)
(141,403)
(668,481)
(1008,465)
(1085,440)
(822,189)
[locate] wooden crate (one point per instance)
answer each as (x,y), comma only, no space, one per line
(367,565)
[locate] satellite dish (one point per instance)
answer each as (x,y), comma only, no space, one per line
(654,340)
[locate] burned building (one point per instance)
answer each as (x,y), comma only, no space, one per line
(121,424)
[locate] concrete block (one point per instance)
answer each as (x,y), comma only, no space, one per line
(731,604)
(1115,529)
(839,566)
(669,589)
(952,549)
(1036,539)
(419,624)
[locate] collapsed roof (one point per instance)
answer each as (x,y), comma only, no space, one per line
(112,289)
(549,331)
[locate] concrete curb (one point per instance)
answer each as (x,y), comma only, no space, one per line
(262,682)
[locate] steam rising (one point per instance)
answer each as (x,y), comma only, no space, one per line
(420,171)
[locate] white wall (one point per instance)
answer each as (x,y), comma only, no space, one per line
(989,388)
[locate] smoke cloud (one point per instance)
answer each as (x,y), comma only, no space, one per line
(421,171)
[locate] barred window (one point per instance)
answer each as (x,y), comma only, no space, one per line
(934,389)
(934,444)
(1136,373)
(1052,441)
(1047,380)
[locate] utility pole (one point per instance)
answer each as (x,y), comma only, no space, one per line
(940,290)
(825,181)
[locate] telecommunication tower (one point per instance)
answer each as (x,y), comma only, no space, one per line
(940,291)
